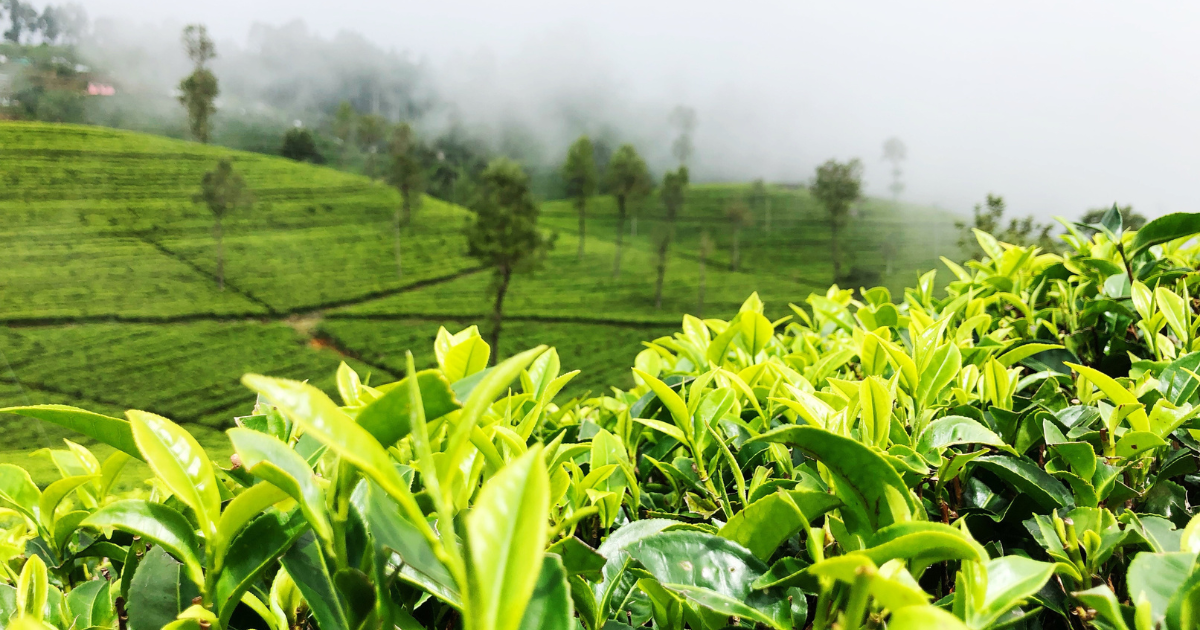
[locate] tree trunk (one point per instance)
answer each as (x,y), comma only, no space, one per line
(218,233)
(836,251)
(396,229)
(498,312)
(736,259)
(407,197)
(700,301)
(662,270)
(620,234)
(581,208)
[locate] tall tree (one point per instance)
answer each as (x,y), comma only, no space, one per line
(760,201)
(343,128)
(739,216)
(504,234)
(223,191)
(895,152)
(684,120)
(628,179)
(674,189)
(371,131)
(299,145)
(407,176)
(198,91)
(579,174)
(837,186)
(23,19)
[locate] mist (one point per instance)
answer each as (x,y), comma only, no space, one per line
(1057,107)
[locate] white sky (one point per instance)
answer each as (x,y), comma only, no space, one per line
(1059,106)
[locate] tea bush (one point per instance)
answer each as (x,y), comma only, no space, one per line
(1020,452)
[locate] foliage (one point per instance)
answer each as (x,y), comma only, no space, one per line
(683,118)
(299,145)
(628,180)
(405,173)
(1016,453)
(222,190)
(896,152)
(674,191)
(990,218)
(1132,219)
(198,91)
(504,235)
(837,186)
(579,173)
(738,214)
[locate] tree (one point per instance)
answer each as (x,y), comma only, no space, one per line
(706,250)
(343,128)
(989,217)
(50,23)
(223,191)
(684,119)
(674,188)
(579,173)
(23,18)
(895,152)
(198,91)
(739,216)
(628,179)
(371,130)
(299,145)
(504,234)
(760,200)
(1130,219)
(407,176)
(837,186)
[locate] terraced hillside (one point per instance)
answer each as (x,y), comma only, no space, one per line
(108,300)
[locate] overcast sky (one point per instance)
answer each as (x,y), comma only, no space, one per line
(1059,106)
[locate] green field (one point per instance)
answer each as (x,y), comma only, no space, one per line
(109,300)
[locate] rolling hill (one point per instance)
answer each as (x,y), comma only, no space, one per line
(109,300)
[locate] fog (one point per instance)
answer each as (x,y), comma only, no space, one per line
(1058,106)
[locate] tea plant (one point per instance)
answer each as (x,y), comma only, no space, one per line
(1020,453)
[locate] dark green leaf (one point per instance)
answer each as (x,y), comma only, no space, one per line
(712,572)
(1030,479)
(155,522)
(874,494)
(551,607)
(387,418)
(155,594)
(1164,229)
(1157,576)
(766,523)
(306,565)
(251,553)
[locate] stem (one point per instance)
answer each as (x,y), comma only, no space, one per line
(856,608)
(498,312)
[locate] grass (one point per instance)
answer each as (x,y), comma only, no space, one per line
(110,301)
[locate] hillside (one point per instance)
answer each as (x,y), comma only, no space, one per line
(110,302)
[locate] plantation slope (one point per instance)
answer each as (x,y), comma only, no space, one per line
(569,290)
(102,222)
(188,372)
(884,243)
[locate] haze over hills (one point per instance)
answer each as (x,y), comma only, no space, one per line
(1060,108)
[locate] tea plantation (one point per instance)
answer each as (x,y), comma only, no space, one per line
(109,299)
